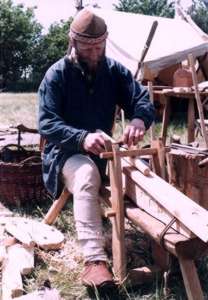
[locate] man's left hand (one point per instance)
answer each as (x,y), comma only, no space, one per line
(134,132)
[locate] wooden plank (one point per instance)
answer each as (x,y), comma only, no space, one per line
(148,203)
(189,213)
(191,279)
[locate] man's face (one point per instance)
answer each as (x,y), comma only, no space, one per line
(90,54)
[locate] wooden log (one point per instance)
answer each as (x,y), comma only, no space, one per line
(195,218)
(174,242)
(56,207)
(154,227)
(146,202)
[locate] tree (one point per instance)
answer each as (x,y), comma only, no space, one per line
(19,33)
(162,8)
(51,47)
(199,13)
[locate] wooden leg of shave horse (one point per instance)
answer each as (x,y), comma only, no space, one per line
(119,261)
(56,207)
(191,279)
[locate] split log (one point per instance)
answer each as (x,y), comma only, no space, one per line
(22,257)
(32,232)
(11,280)
(195,217)
(18,230)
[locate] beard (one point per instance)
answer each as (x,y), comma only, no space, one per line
(91,65)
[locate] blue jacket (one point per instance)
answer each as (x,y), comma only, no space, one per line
(70,107)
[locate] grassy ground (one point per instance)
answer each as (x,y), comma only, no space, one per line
(62,268)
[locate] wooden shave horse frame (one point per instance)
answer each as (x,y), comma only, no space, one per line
(180,230)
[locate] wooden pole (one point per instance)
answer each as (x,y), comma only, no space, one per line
(152,128)
(198,99)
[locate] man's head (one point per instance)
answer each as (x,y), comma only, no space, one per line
(88,34)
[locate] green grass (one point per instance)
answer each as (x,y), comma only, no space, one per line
(63,267)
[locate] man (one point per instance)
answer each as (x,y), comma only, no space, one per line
(78,95)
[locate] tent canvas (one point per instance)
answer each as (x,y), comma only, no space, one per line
(174,39)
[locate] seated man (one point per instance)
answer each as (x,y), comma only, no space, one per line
(79,95)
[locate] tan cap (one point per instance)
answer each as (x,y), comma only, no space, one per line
(88,27)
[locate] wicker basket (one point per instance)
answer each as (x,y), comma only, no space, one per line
(20,175)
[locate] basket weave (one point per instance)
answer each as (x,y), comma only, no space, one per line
(20,175)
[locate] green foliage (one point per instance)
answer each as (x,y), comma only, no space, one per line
(199,13)
(162,8)
(19,33)
(51,47)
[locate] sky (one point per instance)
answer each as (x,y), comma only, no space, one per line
(50,11)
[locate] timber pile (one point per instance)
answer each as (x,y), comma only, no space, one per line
(18,239)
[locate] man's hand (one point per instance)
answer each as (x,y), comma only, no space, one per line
(134,132)
(94,143)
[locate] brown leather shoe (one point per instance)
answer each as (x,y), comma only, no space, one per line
(96,274)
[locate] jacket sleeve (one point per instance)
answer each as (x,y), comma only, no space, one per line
(134,98)
(50,118)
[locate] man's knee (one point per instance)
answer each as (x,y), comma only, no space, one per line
(81,174)
(87,177)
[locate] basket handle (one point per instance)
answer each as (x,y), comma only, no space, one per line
(13,145)
(34,158)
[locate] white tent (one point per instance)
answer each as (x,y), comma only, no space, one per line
(174,39)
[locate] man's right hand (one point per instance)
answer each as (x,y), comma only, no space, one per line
(94,143)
